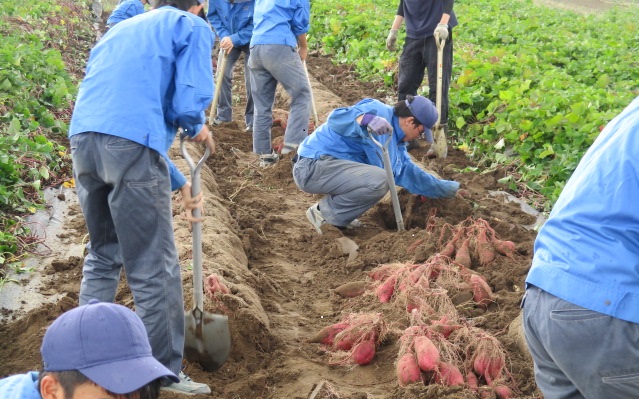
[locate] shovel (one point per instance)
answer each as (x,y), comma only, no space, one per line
(221,65)
(390,179)
(208,339)
(439,137)
(308,78)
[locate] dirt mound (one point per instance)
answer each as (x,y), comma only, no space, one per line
(282,274)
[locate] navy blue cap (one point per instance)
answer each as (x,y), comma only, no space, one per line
(425,112)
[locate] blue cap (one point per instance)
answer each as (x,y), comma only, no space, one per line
(425,112)
(105,342)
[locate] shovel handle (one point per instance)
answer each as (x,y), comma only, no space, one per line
(440,72)
(390,179)
(308,78)
(219,76)
(198,284)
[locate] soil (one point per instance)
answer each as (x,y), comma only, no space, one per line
(282,276)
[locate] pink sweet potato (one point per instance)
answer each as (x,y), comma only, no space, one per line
(408,371)
(506,248)
(463,254)
(214,285)
(352,289)
(382,272)
(472,381)
(502,391)
(443,326)
(482,294)
(485,250)
(385,290)
(427,353)
(448,375)
(449,249)
(364,352)
(327,334)
(489,364)
(417,243)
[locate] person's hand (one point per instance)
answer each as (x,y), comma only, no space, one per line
(303,52)
(226,44)
(191,203)
(391,40)
(376,124)
(442,31)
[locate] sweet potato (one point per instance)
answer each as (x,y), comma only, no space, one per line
(443,326)
(448,375)
(408,371)
(364,352)
(214,285)
(506,248)
(427,353)
(472,381)
(385,290)
(482,294)
(463,254)
(489,364)
(327,334)
(502,391)
(485,250)
(381,273)
(345,340)
(449,249)
(413,246)
(352,289)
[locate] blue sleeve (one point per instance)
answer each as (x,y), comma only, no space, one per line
(177,178)
(245,27)
(301,18)
(193,80)
(417,181)
(215,19)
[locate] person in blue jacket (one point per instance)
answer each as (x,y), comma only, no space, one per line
(125,10)
(278,51)
(341,160)
(145,79)
(581,307)
(423,19)
(99,350)
(233,23)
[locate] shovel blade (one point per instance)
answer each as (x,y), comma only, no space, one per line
(207,340)
(440,145)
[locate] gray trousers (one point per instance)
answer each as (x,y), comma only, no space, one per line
(270,64)
(580,353)
(125,195)
(351,188)
(225,105)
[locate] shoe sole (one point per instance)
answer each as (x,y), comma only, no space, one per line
(311,218)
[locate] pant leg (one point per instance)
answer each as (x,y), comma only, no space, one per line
(249,110)
(140,206)
(430,56)
(352,188)
(580,353)
(225,105)
(285,65)
(411,68)
(263,86)
(103,263)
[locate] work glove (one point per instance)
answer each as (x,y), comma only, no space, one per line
(376,125)
(391,40)
(442,30)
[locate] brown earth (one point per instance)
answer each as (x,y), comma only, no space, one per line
(282,274)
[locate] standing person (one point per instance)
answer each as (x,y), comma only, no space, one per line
(125,10)
(340,159)
(580,308)
(424,18)
(233,23)
(99,350)
(280,29)
(144,80)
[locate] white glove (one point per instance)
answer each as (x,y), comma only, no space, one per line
(391,40)
(442,31)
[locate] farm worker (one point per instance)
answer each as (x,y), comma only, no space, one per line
(424,19)
(145,79)
(339,159)
(580,308)
(126,10)
(98,350)
(233,23)
(278,50)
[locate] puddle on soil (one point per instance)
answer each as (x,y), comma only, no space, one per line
(23,294)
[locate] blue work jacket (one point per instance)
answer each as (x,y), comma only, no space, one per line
(234,20)
(20,386)
(343,138)
(587,253)
(125,10)
(147,77)
(280,21)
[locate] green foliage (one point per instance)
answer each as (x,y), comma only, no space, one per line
(36,95)
(533,81)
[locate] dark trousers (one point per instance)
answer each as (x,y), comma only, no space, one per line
(419,55)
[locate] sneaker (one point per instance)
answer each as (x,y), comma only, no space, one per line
(267,160)
(249,129)
(289,148)
(355,224)
(217,122)
(431,153)
(315,217)
(187,386)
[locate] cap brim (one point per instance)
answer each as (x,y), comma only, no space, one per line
(428,135)
(128,375)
